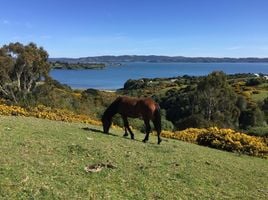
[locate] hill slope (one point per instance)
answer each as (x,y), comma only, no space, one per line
(154,58)
(46,159)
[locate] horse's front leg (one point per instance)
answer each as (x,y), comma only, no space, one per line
(131,133)
(127,128)
(126,133)
(148,129)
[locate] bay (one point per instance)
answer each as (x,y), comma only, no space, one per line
(114,77)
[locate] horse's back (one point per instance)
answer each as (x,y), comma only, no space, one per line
(137,107)
(149,106)
(132,101)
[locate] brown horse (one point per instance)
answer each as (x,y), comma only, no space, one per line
(145,108)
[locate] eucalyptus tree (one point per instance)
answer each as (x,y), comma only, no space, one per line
(21,67)
(217,100)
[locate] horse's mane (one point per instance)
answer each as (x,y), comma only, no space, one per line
(112,109)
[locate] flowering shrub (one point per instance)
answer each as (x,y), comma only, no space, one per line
(12,110)
(230,140)
(188,135)
(225,139)
(47,113)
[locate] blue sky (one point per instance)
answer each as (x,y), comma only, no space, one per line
(77,28)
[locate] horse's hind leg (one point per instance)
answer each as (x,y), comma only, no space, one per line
(157,127)
(125,125)
(148,129)
(159,138)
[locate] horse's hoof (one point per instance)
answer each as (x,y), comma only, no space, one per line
(144,141)
(125,135)
(132,137)
(159,142)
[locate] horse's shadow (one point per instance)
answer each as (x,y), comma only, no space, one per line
(109,134)
(92,129)
(98,131)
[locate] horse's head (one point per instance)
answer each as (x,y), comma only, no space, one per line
(108,115)
(106,123)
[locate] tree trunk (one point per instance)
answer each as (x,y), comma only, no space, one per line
(9,93)
(3,90)
(18,80)
(29,85)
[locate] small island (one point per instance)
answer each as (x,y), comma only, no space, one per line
(76,65)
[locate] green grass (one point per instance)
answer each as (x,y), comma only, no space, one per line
(42,159)
(260,96)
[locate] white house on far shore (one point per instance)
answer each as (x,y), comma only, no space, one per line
(257,75)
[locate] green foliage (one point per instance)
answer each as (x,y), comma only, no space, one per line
(209,100)
(194,121)
(251,117)
(241,103)
(167,125)
(216,100)
(76,65)
(265,108)
(134,84)
(22,66)
(258,131)
(211,103)
(265,105)
(254,82)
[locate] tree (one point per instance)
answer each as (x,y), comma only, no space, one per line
(265,108)
(216,100)
(21,67)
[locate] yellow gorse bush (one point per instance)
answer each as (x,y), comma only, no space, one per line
(225,139)
(13,110)
(47,113)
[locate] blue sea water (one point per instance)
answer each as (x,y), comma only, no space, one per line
(114,77)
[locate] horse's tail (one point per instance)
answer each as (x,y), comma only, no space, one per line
(157,119)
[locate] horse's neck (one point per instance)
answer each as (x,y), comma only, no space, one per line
(111,111)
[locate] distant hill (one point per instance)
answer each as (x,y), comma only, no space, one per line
(158,59)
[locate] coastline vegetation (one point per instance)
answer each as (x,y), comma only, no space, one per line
(76,65)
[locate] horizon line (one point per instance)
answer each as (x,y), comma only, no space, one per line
(136,55)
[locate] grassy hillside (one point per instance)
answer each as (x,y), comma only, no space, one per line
(42,159)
